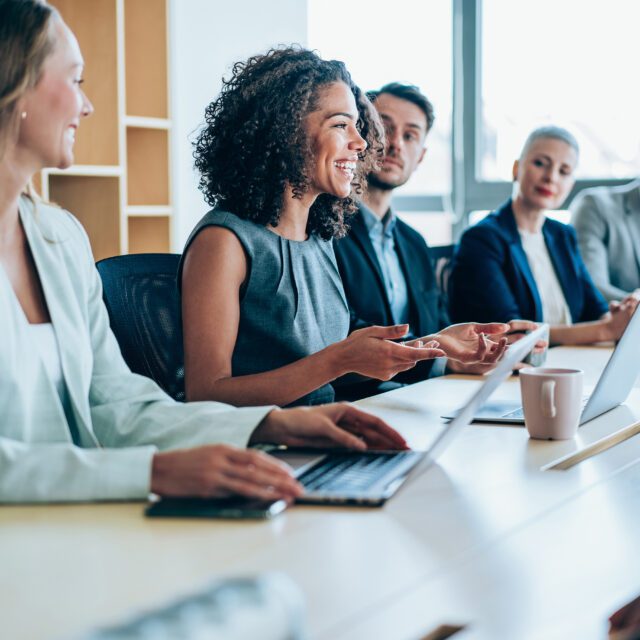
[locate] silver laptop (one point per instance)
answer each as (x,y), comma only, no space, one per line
(369,478)
(612,388)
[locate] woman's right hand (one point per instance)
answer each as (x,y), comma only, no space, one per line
(371,353)
(216,471)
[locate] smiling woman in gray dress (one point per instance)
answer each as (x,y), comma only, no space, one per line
(264,312)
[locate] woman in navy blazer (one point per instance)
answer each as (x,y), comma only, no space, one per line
(517,263)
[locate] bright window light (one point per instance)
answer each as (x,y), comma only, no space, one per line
(572,63)
(405,41)
(434,226)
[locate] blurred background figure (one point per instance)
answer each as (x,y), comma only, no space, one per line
(519,263)
(607,221)
(385,264)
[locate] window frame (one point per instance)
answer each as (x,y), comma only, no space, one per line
(468,192)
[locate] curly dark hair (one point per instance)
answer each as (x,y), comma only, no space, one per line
(254,144)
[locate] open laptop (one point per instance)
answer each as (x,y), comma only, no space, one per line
(369,478)
(612,388)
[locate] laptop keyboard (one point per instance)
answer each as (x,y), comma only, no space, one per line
(350,471)
(518,413)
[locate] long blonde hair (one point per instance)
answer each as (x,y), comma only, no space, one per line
(25,42)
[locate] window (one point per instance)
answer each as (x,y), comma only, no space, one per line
(517,65)
(572,63)
(406,41)
(435,226)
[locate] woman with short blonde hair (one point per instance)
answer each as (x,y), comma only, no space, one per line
(519,263)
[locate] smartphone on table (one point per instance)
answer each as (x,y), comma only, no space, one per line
(235,507)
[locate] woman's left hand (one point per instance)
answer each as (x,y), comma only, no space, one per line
(615,322)
(329,425)
(518,329)
(469,343)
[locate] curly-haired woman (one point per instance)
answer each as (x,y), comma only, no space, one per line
(264,313)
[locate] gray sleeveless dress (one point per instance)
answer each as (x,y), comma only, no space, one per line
(292,303)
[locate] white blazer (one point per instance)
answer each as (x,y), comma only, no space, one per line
(118,419)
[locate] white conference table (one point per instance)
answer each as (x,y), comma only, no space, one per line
(484,538)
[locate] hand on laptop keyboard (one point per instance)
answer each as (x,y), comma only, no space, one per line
(327,426)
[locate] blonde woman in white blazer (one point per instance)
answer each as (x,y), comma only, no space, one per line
(75,423)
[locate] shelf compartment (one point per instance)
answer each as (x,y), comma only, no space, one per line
(145,40)
(94,24)
(147,166)
(149,234)
(95,201)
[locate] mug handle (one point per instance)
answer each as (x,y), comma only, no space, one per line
(546,399)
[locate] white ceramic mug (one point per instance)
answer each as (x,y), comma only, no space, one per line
(552,402)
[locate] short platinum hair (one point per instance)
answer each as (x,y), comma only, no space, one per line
(550,131)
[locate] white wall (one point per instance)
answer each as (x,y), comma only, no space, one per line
(205,38)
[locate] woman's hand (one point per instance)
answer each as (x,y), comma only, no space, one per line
(216,471)
(618,318)
(517,330)
(330,425)
(371,353)
(468,343)
(632,297)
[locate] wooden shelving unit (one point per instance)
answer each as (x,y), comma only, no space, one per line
(119,186)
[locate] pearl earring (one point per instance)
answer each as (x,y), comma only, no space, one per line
(23,115)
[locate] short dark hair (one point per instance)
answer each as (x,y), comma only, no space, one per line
(408,92)
(254,143)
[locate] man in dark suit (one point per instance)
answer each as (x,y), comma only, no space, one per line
(384,263)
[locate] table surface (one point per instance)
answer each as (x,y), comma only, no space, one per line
(484,538)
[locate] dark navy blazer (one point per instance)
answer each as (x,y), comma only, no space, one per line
(491,280)
(367,296)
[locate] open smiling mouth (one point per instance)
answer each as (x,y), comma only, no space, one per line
(347,168)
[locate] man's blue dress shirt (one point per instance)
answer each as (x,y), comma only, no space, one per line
(381,236)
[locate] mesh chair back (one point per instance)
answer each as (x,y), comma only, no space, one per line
(441,260)
(142,299)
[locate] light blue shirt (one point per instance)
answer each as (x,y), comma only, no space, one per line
(381,236)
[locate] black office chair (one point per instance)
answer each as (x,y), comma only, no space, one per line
(441,258)
(144,308)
